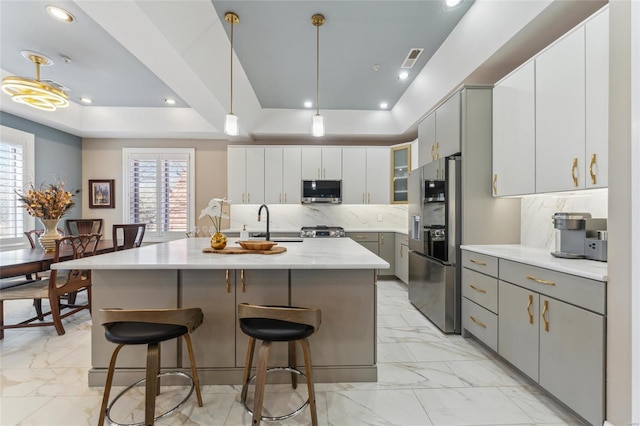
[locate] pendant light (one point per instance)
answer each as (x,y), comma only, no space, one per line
(32,92)
(231,126)
(317,128)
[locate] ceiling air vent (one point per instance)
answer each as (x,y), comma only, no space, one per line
(412,57)
(55,84)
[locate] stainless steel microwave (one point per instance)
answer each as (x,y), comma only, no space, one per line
(321,191)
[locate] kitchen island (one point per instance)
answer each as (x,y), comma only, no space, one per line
(336,275)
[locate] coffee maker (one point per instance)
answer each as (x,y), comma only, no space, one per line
(578,236)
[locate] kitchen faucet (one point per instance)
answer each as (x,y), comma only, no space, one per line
(259,212)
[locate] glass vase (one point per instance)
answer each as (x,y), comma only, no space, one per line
(48,239)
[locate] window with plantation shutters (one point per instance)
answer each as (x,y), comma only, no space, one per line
(16,172)
(158,190)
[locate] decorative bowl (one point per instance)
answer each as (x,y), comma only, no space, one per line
(257,245)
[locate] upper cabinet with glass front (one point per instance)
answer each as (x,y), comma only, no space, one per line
(400,166)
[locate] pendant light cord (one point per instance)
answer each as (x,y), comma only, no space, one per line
(231,61)
(317,70)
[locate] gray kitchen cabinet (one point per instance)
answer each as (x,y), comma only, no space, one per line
(514,133)
(402,258)
(213,341)
(572,354)
(321,163)
(597,100)
(518,325)
(282,175)
(245,175)
(364,180)
(427,140)
(381,244)
(439,133)
(448,135)
(480,298)
(560,115)
(569,338)
(387,251)
(261,287)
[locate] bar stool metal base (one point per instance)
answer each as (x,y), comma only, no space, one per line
(284,416)
(165,414)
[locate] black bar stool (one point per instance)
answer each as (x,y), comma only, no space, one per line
(149,327)
(277,324)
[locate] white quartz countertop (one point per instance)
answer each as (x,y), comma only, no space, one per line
(297,231)
(311,253)
(542,258)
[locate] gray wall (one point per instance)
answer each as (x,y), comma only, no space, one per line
(58,155)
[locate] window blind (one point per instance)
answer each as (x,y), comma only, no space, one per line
(12,173)
(158,191)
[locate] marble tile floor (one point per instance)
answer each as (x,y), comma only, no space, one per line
(424,378)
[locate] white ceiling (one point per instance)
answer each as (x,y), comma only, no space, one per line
(128,56)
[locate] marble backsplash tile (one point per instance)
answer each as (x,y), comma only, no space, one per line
(292,217)
(536,229)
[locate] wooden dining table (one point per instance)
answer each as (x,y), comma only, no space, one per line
(14,263)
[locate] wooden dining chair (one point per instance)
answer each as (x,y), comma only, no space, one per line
(60,283)
(34,234)
(131,236)
(84,226)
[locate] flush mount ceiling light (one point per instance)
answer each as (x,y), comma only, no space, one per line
(384,105)
(450,4)
(317,128)
(35,93)
(170,101)
(231,127)
(308,104)
(86,100)
(60,14)
(403,75)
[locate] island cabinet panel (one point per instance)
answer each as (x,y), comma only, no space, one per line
(260,287)
(144,290)
(214,341)
(347,300)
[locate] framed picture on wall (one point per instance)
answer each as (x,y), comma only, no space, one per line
(102,194)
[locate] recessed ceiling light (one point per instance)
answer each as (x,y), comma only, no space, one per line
(60,14)
(308,104)
(170,101)
(450,4)
(384,105)
(86,100)
(403,75)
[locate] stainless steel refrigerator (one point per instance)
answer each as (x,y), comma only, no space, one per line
(434,242)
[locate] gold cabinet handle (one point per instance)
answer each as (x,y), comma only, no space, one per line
(538,280)
(437,150)
(400,252)
(481,324)
(529,309)
(495,184)
(285,198)
(479,290)
(248,197)
(361,237)
(433,155)
(574,168)
(280,198)
(545,308)
(477,262)
(226,279)
(242,279)
(368,198)
(243,198)
(381,239)
(593,163)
